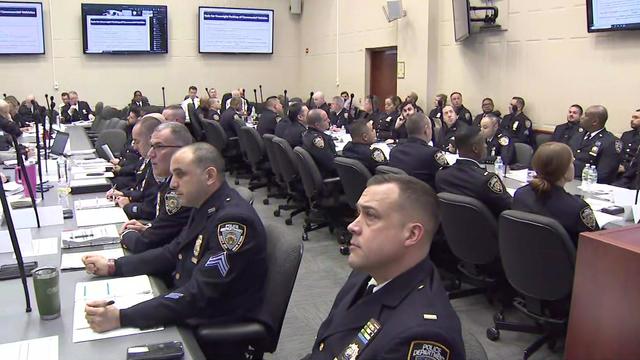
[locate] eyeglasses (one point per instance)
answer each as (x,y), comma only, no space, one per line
(157,147)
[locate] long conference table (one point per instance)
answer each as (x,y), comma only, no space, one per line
(18,325)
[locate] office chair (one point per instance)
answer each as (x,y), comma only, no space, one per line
(214,135)
(542,138)
(527,241)
(195,125)
(296,199)
(115,138)
(385,169)
(261,175)
(524,153)
(284,254)
(97,110)
(353,176)
(278,182)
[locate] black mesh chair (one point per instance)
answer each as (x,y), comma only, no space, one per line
(224,100)
(97,110)
(354,177)
(542,138)
(279,184)
(296,200)
(261,175)
(195,125)
(284,254)
(241,164)
(524,153)
(115,138)
(385,169)
(538,259)
(214,135)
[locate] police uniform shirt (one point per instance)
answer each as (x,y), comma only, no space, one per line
(629,178)
(500,145)
(418,159)
(630,141)
(518,128)
(369,156)
(10,128)
(384,125)
(410,317)
(143,197)
(214,115)
(466,177)
(326,108)
(293,134)
(564,132)
(282,126)
(227,120)
(602,149)
(339,119)
(435,113)
(322,150)
(79,113)
(218,266)
(130,172)
(573,213)
(464,115)
(268,121)
(170,220)
(448,135)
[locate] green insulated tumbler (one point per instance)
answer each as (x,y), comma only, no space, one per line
(45,282)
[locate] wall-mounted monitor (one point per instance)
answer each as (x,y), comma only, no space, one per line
(235,31)
(613,15)
(124,29)
(461,24)
(21,28)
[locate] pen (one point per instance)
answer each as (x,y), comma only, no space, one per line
(81,236)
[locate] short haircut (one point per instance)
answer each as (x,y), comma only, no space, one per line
(580,108)
(137,92)
(467,137)
(235,102)
(314,118)
(413,96)
(193,88)
(600,112)
(487,98)
(338,100)
(494,119)
(415,124)
(551,162)
(148,124)
(406,103)
(344,93)
(64,94)
(272,101)
(136,111)
(454,93)
(443,97)
(359,128)
(73,92)
(295,109)
(178,109)
(296,100)
(178,132)
(206,156)
(519,101)
(414,197)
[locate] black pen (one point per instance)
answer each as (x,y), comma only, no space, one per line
(81,236)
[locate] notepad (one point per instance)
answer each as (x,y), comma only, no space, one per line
(71,261)
(40,247)
(125,292)
(24,240)
(99,235)
(45,348)
(97,203)
(103,216)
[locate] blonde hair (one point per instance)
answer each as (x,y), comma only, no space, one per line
(551,162)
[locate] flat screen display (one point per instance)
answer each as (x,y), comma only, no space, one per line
(613,15)
(21,28)
(124,29)
(461,25)
(234,30)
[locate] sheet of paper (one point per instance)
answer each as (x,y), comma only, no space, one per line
(26,218)
(125,292)
(518,175)
(108,151)
(93,217)
(88,182)
(74,260)
(624,197)
(597,204)
(382,146)
(24,240)
(635,209)
(451,158)
(97,203)
(46,246)
(89,233)
(45,348)
(603,218)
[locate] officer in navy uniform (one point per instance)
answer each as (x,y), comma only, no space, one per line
(597,146)
(564,132)
(230,115)
(270,116)
(171,217)
(415,156)
(630,140)
(76,110)
(393,307)
(298,118)
(516,125)
(463,115)
(487,108)
(359,148)
(338,116)
(445,138)
(467,177)
(439,102)
(545,194)
(130,162)
(386,121)
(318,144)
(497,143)
(218,264)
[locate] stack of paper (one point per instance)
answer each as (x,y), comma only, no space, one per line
(93,217)
(39,247)
(74,260)
(96,203)
(45,348)
(125,292)
(98,235)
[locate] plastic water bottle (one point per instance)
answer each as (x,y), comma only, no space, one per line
(593,178)
(62,169)
(585,178)
(498,167)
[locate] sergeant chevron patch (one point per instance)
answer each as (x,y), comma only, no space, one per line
(219,261)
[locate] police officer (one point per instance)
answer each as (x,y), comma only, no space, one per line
(439,102)
(270,116)
(230,115)
(386,121)
(487,108)
(467,177)
(630,140)
(139,202)
(597,146)
(564,132)
(462,113)
(393,305)
(407,108)
(359,148)
(171,217)
(545,195)
(218,263)
(415,156)
(339,116)
(76,110)
(445,137)
(516,125)
(126,167)
(370,109)
(318,144)
(320,103)
(298,126)
(497,143)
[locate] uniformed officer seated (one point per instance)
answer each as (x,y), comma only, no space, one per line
(228,117)
(596,146)
(393,305)
(359,148)
(407,108)
(139,202)
(339,116)
(270,116)
(218,263)
(318,144)
(487,108)
(125,167)
(564,132)
(439,102)
(415,156)
(174,113)
(296,127)
(444,138)
(630,140)
(386,121)
(517,125)
(498,144)
(545,194)
(467,177)
(171,217)
(463,114)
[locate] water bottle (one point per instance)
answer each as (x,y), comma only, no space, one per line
(498,167)
(62,169)
(593,179)
(585,178)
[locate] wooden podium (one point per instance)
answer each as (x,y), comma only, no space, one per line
(605,307)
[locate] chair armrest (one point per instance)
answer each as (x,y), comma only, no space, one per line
(245,332)
(330,180)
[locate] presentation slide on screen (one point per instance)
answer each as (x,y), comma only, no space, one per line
(615,13)
(227,30)
(118,33)
(21,29)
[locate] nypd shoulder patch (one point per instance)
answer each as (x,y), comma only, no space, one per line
(171,203)
(428,350)
(588,218)
(441,158)
(495,184)
(378,155)
(231,235)
(318,142)
(220,262)
(618,146)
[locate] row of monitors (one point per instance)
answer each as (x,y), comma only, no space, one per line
(138,29)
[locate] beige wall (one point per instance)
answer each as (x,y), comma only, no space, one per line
(113,78)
